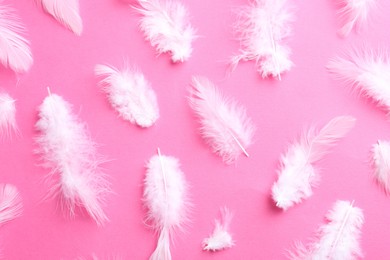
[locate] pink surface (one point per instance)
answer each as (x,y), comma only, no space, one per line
(280,109)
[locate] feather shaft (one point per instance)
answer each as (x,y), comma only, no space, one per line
(11,205)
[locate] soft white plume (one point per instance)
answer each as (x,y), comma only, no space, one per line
(15,50)
(354,14)
(130,94)
(262,28)
(7,115)
(224,123)
(68,150)
(338,239)
(66,12)
(165,23)
(368,71)
(220,238)
(381,163)
(165,195)
(298,175)
(11,205)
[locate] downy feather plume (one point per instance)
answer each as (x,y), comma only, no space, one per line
(66,12)
(15,50)
(7,115)
(130,94)
(68,150)
(366,70)
(261,29)
(381,163)
(354,14)
(338,239)
(220,238)
(11,205)
(298,173)
(165,195)
(165,23)
(224,123)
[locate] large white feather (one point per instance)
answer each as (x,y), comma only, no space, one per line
(165,195)
(224,124)
(338,239)
(298,175)
(15,51)
(7,115)
(66,12)
(262,28)
(366,70)
(67,149)
(165,24)
(10,203)
(130,94)
(220,238)
(381,163)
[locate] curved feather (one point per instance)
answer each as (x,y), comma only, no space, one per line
(7,115)
(224,124)
(10,203)
(15,50)
(381,163)
(220,238)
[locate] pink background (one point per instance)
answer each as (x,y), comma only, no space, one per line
(280,109)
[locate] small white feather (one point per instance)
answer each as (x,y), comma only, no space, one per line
(220,238)
(68,150)
(166,25)
(381,163)
(7,115)
(66,12)
(298,175)
(261,29)
(11,205)
(366,70)
(15,50)
(338,239)
(165,195)
(130,94)
(224,123)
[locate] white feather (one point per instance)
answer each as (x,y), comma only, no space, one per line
(165,195)
(7,115)
(67,149)
(366,70)
(11,205)
(130,94)
(220,238)
(354,14)
(165,24)
(262,28)
(15,51)
(298,175)
(66,12)
(381,162)
(339,238)
(224,123)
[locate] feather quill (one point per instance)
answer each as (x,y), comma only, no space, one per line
(65,12)
(15,50)
(220,238)
(7,115)
(298,173)
(130,94)
(11,205)
(68,150)
(338,239)
(166,25)
(261,29)
(381,163)
(224,123)
(165,195)
(366,70)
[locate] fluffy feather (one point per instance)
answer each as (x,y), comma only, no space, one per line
(220,238)
(7,115)
(366,70)
(165,24)
(298,174)
(11,205)
(15,50)
(66,12)
(224,124)
(354,14)
(165,195)
(261,29)
(381,162)
(339,238)
(67,149)
(130,94)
